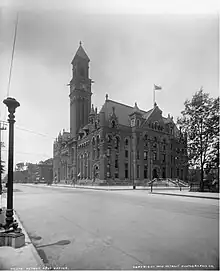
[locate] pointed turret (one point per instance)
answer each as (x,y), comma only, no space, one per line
(80,53)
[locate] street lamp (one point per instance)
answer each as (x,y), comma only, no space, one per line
(12,104)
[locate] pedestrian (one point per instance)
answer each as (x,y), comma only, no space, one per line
(73,181)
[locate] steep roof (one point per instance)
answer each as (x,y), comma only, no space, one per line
(81,53)
(122,111)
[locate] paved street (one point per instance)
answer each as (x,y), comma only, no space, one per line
(89,229)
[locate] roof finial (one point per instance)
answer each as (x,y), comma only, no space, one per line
(80,43)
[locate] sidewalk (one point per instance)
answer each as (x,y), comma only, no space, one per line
(156,190)
(205,195)
(25,257)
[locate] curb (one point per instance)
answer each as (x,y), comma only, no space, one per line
(130,189)
(182,195)
(92,188)
(28,241)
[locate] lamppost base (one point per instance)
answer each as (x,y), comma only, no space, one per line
(10,234)
(12,239)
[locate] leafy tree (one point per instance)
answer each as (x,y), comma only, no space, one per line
(19,166)
(200,119)
(2,166)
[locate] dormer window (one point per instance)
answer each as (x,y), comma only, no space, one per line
(132,122)
(113,124)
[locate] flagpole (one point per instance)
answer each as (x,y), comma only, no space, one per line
(153,96)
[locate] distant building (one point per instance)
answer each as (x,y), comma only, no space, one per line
(45,171)
(20,176)
(119,142)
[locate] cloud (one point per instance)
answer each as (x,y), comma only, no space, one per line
(129,53)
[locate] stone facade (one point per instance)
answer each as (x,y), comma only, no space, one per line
(119,142)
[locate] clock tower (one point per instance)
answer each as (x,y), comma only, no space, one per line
(80,91)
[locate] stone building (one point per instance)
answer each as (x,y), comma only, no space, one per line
(120,142)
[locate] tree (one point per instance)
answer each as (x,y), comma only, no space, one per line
(2,167)
(2,170)
(200,119)
(19,166)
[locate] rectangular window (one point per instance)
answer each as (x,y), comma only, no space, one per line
(138,155)
(177,172)
(145,155)
(108,152)
(154,156)
(138,171)
(126,170)
(145,171)
(116,163)
(126,153)
(116,175)
(164,157)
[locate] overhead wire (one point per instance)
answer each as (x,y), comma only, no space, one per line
(28,130)
(42,154)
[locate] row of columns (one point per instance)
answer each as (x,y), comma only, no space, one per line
(84,167)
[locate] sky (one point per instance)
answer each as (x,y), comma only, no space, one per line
(132,45)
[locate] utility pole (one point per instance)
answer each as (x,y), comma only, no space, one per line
(1,144)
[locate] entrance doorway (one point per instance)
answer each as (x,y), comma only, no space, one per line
(164,173)
(155,175)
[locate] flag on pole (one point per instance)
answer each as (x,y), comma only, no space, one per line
(157,87)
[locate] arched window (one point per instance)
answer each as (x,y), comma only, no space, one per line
(93,141)
(126,142)
(98,139)
(138,122)
(117,143)
(109,138)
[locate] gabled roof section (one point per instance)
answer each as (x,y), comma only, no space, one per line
(122,111)
(81,53)
(136,110)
